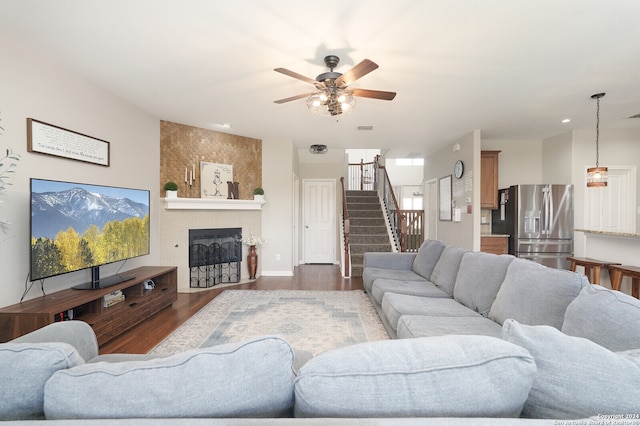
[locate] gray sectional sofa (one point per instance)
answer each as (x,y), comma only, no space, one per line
(584,338)
(483,340)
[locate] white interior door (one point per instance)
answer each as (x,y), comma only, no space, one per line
(319,219)
(431,209)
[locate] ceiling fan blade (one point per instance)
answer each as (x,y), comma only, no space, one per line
(362,69)
(293,98)
(295,75)
(374,94)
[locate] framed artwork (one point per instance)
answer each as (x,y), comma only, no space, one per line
(444,197)
(214,178)
(48,139)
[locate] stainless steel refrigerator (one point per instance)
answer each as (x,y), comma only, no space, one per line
(539,222)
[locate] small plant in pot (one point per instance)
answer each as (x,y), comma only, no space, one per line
(258,194)
(171,189)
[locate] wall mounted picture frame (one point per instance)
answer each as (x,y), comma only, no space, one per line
(444,198)
(214,178)
(45,138)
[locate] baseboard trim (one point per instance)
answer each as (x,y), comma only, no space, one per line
(277,273)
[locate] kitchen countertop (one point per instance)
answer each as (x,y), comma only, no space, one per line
(494,235)
(612,234)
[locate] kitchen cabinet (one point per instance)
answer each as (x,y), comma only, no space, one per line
(489,179)
(496,244)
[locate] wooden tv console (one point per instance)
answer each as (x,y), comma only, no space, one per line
(87,305)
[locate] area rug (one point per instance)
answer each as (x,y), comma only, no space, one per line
(313,321)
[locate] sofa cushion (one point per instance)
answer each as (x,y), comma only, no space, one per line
(410,326)
(433,376)
(576,378)
(24,370)
(249,379)
(414,288)
(607,317)
(536,295)
(396,305)
(370,275)
(479,279)
(427,257)
(381,261)
(446,270)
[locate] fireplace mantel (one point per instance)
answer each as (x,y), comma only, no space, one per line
(211,204)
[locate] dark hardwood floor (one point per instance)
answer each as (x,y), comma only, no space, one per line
(143,337)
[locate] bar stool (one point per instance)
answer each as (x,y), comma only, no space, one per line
(590,264)
(619,271)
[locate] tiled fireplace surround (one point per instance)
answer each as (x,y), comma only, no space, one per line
(179,215)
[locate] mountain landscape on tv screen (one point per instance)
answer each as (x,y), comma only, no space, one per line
(79,209)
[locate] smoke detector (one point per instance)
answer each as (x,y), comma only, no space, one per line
(318,149)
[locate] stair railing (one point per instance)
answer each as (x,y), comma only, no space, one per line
(407,226)
(345,230)
(362,176)
(397,218)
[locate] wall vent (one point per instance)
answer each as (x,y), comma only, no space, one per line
(369,127)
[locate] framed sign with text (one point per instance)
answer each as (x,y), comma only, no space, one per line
(53,140)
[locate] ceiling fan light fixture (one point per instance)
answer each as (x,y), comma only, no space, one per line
(318,149)
(331,104)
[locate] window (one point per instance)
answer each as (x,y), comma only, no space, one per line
(409,161)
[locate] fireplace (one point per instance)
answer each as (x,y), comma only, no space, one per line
(215,256)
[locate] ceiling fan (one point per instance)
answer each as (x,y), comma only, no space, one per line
(333,95)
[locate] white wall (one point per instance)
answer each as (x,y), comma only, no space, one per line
(31,86)
(519,162)
(403,175)
(278,212)
(465,233)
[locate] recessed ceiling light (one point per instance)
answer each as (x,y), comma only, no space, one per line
(224,125)
(566,120)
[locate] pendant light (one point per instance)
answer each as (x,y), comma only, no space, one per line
(597,176)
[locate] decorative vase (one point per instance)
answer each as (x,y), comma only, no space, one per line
(171,194)
(252,262)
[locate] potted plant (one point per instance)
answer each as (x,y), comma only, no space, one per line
(171,189)
(258,194)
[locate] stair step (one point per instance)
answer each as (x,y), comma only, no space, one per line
(363,200)
(363,206)
(365,213)
(366,221)
(361,193)
(364,248)
(368,239)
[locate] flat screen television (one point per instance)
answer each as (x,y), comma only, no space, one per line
(77,226)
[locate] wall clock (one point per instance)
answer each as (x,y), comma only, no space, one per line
(458,169)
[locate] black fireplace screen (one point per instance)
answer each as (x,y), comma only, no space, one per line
(215,256)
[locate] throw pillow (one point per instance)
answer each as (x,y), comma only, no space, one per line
(427,257)
(446,376)
(536,295)
(607,317)
(576,378)
(479,279)
(24,370)
(249,379)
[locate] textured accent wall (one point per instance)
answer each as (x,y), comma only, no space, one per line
(185,146)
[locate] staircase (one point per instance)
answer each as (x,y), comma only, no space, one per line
(368,231)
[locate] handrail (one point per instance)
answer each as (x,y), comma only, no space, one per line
(397,217)
(345,225)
